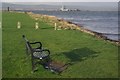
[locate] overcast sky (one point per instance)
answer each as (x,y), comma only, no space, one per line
(59,0)
(95,4)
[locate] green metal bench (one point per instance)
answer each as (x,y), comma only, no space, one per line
(38,53)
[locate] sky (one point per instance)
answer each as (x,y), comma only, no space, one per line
(104,4)
(60,0)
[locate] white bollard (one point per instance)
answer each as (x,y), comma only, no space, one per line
(55,27)
(36,25)
(36,19)
(0,25)
(18,25)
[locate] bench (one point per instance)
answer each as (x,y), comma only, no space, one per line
(38,53)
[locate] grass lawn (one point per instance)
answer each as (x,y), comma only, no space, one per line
(0,53)
(90,57)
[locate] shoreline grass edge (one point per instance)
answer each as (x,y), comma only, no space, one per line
(53,19)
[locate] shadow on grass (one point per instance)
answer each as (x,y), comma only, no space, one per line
(47,28)
(77,55)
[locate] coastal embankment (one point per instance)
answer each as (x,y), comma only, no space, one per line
(63,25)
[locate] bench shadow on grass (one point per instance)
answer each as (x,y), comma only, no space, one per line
(78,55)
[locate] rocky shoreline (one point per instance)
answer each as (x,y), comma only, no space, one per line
(63,25)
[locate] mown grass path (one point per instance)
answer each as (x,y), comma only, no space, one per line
(90,57)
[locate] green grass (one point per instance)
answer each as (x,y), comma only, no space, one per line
(90,57)
(0,47)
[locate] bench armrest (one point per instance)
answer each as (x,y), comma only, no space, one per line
(37,43)
(47,51)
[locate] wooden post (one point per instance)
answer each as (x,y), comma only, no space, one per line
(55,26)
(36,25)
(18,25)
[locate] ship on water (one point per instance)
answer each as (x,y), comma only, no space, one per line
(63,8)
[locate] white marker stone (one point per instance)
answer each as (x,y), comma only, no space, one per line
(55,26)
(36,25)
(18,25)
(0,25)
(36,19)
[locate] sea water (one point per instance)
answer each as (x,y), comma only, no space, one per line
(105,22)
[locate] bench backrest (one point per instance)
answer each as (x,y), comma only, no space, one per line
(27,43)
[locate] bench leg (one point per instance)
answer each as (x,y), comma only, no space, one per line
(33,64)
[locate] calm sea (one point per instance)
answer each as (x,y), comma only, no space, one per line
(105,22)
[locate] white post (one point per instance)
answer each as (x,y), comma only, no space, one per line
(36,19)
(0,25)
(55,26)
(18,25)
(36,25)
